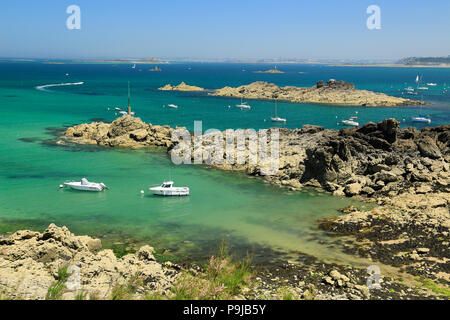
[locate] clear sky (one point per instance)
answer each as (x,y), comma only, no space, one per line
(224,29)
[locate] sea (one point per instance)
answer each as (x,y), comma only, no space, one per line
(38,100)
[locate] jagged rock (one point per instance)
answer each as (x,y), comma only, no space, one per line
(181,87)
(139,135)
(125,125)
(428,148)
(353,189)
(308,128)
(29,263)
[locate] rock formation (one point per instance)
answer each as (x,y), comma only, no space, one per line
(331,92)
(181,87)
(126,131)
(270,71)
(29,264)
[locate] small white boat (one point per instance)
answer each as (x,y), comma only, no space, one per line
(422,88)
(85,185)
(133,67)
(167,189)
(173,106)
(409,89)
(421,119)
(432,84)
(277,119)
(243,105)
(351,122)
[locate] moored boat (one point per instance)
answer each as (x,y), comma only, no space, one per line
(85,185)
(167,189)
(351,122)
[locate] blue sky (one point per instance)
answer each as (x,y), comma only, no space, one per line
(224,29)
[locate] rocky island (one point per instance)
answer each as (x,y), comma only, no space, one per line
(330,92)
(273,71)
(181,87)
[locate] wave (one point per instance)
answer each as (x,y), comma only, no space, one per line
(45,87)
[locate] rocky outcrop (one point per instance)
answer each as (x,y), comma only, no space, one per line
(276,71)
(331,92)
(126,131)
(181,87)
(29,264)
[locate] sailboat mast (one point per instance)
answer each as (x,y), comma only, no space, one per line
(129,104)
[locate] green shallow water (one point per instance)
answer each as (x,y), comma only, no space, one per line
(248,214)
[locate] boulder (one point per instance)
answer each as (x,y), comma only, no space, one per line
(428,148)
(124,125)
(353,189)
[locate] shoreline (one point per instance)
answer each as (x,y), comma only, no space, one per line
(39,266)
(415,200)
(405,172)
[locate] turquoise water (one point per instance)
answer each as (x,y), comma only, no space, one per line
(248,214)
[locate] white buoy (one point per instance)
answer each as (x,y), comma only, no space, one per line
(61,186)
(142,192)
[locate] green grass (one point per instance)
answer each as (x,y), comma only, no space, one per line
(128,290)
(431,285)
(222,279)
(56,290)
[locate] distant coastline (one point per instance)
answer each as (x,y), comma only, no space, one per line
(393,65)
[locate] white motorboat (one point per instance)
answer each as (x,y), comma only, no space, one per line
(409,89)
(243,105)
(422,88)
(167,189)
(173,106)
(421,119)
(277,118)
(351,122)
(432,84)
(85,185)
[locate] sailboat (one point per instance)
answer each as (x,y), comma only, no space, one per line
(277,118)
(243,105)
(421,118)
(129,105)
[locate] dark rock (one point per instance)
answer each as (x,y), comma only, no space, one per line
(308,128)
(428,148)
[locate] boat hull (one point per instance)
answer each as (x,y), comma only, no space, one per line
(172,192)
(350,123)
(85,188)
(421,120)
